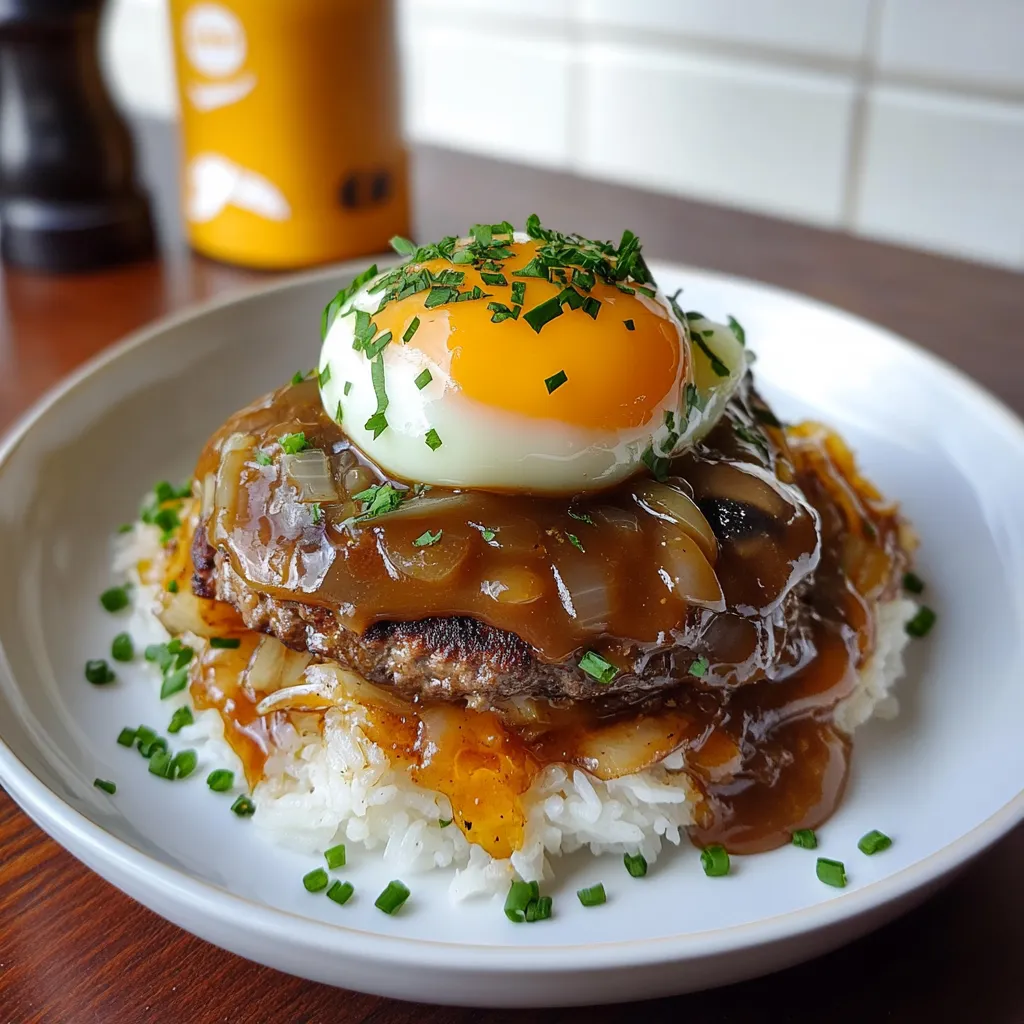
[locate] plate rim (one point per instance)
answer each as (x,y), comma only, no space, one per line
(92,844)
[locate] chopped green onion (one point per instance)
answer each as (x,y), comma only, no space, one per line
(392,897)
(316,880)
(378,421)
(575,542)
(225,643)
(107,787)
(520,894)
(413,327)
(324,375)
(335,856)
(555,381)
(630,326)
(443,822)
(294,443)
(543,908)
(598,668)
(741,335)
(297,378)
(220,780)
(544,313)
(427,539)
(114,599)
(715,861)
(160,764)
(174,683)
(636,864)
(805,838)
(593,896)
(913,583)
(182,717)
(699,667)
(433,440)
(122,648)
(340,892)
(591,307)
(347,388)
(244,807)
(874,842)
(172,586)
(518,292)
(98,672)
(126,737)
(831,872)
(183,764)
(921,624)
(494,279)
(423,379)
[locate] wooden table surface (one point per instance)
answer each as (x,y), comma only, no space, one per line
(73,950)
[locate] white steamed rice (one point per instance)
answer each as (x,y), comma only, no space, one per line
(334,785)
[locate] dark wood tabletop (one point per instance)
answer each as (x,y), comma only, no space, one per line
(74,950)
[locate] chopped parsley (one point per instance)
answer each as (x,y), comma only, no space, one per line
(324,375)
(737,329)
(378,500)
(630,326)
(423,379)
(407,337)
(378,423)
(333,307)
(294,443)
(433,440)
(699,667)
(262,458)
(316,512)
(555,381)
(575,542)
(598,668)
(921,624)
(582,517)
(427,539)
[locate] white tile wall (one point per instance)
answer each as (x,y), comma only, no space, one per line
(900,119)
(837,28)
(784,149)
(945,173)
(976,41)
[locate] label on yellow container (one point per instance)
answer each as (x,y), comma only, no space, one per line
(293,152)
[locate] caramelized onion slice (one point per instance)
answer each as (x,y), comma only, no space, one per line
(672,505)
(692,577)
(625,747)
(589,588)
(310,473)
(328,685)
(274,666)
(233,456)
(183,612)
(431,563)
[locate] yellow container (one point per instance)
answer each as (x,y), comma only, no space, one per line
(293,151)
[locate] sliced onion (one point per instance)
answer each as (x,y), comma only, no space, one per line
(626,747)
(668,503)
(420,508)
(233,457)
(183,612)
(432,563)
(358,479)
(329,685)
(619,518)
(514,585)
(209,490)
(586,580)
(274,666)
(692,577)
(311,475)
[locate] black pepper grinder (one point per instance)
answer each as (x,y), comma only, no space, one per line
(68,196)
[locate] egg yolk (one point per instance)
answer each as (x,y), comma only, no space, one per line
(620,367)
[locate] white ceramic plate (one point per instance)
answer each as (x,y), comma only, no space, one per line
(944,779)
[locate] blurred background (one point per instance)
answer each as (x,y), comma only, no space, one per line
(899,120)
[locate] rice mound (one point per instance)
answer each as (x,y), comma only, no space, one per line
(333,784)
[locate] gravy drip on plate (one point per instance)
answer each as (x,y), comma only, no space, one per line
(746,622)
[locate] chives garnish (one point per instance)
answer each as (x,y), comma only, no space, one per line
(413,327)
(316,880)
(591,307)
(262,458)
(518,292)
(225,643)
(98,672)
(332,308)
(715,861)
(494,279)
(126,737)
(339,413)
(172,586)
(107,787)
(122,648)
(555,381)
(427,539)
(180,718)
(433,440)
(741,335)
(183,764)
(593,896)
(520,895)
(831,872)
(294,443)
(543,908)
(921,624)
(297,378)
(392,897)
(805,838)
(544,313)
(443,822)
(874,842)
(115,598)
(377,500)
(630,326)
(324,375)
(244,807)
(347,388)
(488,535)
(423,379)
(583,517)
(340,892)
(335,856)
(402,245)
(316,513)
(575,542)
(160,764)
(636,864)
(598,668)
(912,583)
(174,683)
(220,780)
(699,667)
(378,421)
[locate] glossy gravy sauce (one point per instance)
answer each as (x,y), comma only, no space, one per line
(779,610)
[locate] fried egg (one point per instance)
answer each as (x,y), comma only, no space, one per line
(460,373)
